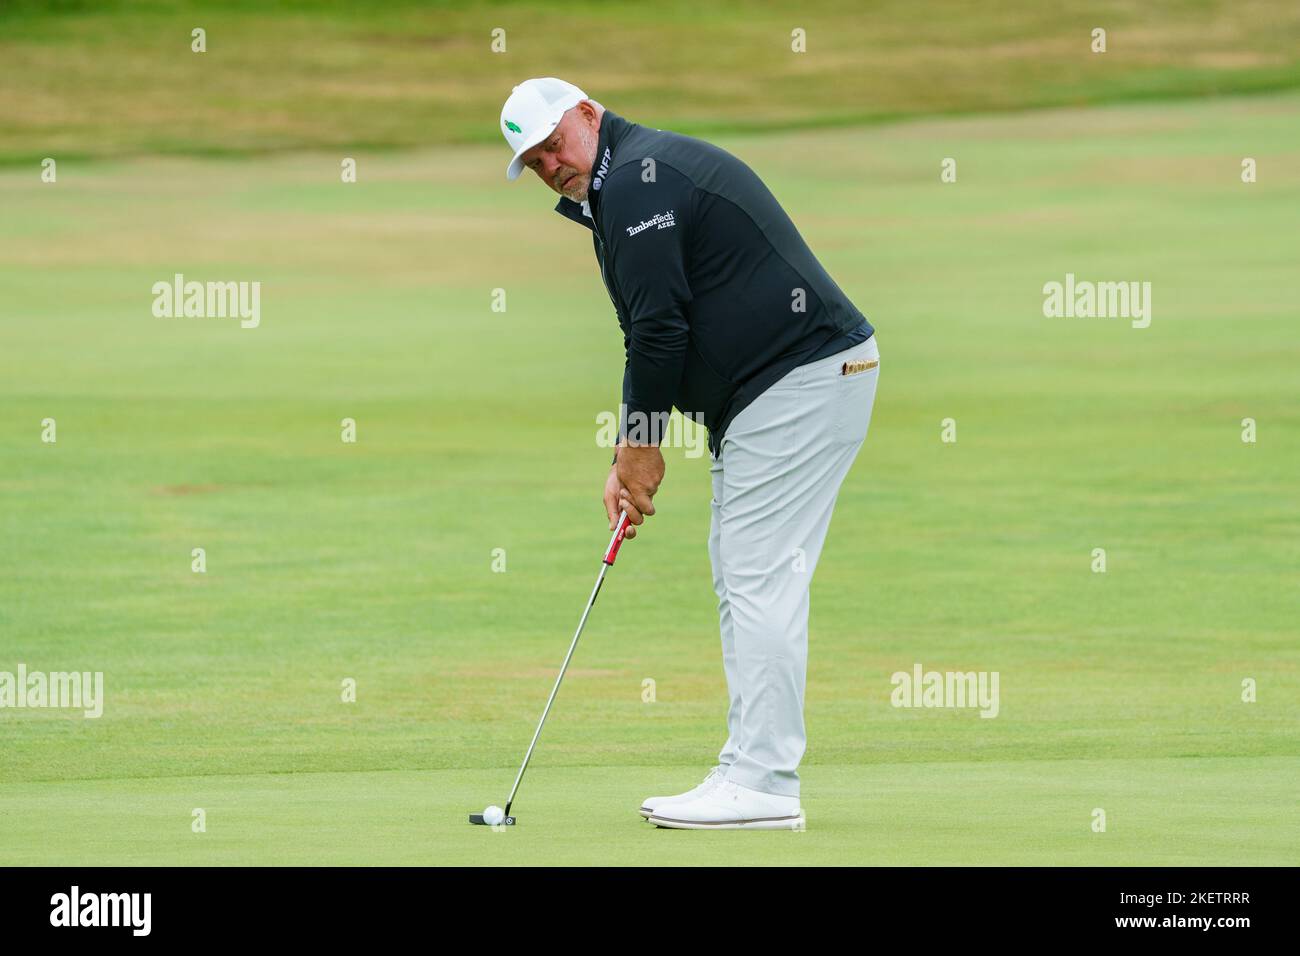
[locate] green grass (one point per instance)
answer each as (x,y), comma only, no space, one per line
(113,77)
(476,431)
(1168,812)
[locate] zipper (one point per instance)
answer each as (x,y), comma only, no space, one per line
(604,277)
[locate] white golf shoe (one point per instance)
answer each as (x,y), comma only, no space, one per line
(713,778)
(729,806)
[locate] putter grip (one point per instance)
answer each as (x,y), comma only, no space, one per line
(617,541)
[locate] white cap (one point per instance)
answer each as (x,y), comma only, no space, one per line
(535,107)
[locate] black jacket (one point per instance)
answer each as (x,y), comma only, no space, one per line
(716,292)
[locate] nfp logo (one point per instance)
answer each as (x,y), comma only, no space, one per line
(602,172)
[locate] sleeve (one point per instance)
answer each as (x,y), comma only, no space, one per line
(646,225)
(622,407)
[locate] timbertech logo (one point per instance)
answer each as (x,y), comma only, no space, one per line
(208,300)
(1098,300)
(954,689)
(661,220)
(103,909)
(75,690)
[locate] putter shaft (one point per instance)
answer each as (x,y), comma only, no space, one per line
(606,563)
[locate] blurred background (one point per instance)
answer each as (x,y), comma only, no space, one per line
(110,77)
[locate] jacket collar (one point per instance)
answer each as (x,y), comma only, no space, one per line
(579,212)
(612,128)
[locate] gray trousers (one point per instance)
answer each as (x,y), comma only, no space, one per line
(774,487)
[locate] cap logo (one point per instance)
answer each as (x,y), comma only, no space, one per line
(512,127)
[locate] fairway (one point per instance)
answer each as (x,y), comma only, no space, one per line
(377,561)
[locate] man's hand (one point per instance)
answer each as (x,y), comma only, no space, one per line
(639,470)
(613,495)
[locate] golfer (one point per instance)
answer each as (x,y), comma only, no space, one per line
(727,315)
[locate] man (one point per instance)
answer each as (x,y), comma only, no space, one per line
(727,315)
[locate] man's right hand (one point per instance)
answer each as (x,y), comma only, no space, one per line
(613,488)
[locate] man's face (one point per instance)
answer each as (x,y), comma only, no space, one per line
(565,158)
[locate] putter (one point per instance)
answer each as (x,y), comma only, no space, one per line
(606,563)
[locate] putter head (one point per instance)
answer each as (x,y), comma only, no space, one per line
(478,819)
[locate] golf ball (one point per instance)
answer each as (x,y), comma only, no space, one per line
(493,815)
